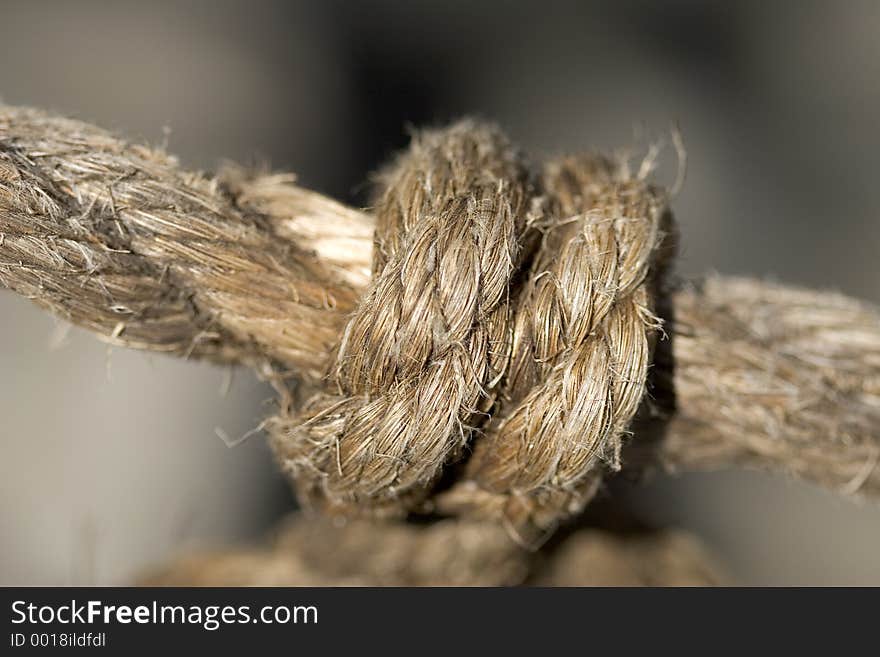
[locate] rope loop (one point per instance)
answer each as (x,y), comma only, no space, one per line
(506,335)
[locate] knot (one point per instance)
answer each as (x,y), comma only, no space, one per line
(494,360)
(501,351)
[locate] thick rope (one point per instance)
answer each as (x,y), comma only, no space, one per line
(118,239)
(421,355)
(501,350)
(316,552)
(776,378)
(423,361)
(581,349)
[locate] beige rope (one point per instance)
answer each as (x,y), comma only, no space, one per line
(424,360)
(315,552)
(581,349)
(495,359)
(118,239)
(420,356)
(777,378)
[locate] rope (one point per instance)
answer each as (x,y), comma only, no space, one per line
(121,241)
(490,299)
(494,357)
(317,552)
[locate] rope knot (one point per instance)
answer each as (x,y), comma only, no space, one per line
(504,340)
(487,359)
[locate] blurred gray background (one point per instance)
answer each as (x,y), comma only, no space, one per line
(112,461)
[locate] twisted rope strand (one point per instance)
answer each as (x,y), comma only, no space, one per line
(120,240)
(584,351)
(422,349)
(776,378)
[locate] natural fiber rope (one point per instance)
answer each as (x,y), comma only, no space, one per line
(118,239)
(315,552)
(445,338)
(778,378)
(581,349)
(421,355)
(501,350)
